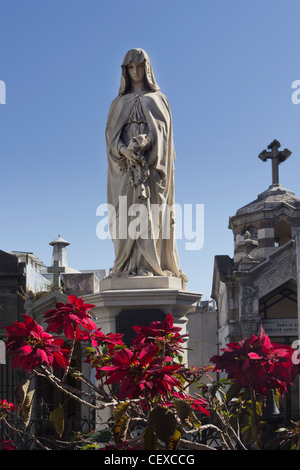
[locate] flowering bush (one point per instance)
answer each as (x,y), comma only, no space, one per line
(257,366)
(151,393)
(145,380)
(257,362)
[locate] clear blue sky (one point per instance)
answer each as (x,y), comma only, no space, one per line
(226,68)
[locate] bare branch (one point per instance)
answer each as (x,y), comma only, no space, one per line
(194,445)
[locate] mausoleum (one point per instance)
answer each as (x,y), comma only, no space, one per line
(258,286)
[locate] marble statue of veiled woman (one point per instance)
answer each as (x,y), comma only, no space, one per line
(141,156)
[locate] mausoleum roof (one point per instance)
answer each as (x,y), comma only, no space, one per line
(273,197)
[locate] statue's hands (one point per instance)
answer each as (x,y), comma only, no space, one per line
(140,143)
(129,154)
(137,145)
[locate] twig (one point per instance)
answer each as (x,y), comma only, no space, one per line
(26,433)
(64,389)
(194,445)
(211,427)
(255,422)
(70,357)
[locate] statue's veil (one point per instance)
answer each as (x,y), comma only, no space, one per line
(138,56)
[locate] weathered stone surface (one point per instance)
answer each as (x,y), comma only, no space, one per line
(81,283)
(140,282)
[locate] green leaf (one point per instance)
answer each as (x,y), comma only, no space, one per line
(247,435)
(58,421)
(233,392)
(120,410)
(103,436)
(183,410)
(20,393)
(174,440)
(220,396)
(163,423)
(150,440)
(90,447)
(121,423)
(27,407)
(24,401)
(194,420)
(180,358)
(186,414)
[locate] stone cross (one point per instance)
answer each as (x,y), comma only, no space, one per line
(56,270)
(276,156)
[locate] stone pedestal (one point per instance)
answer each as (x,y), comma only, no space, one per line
(140,282)
(125,302)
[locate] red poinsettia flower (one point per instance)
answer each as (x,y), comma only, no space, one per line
(141,370)
(257,362)
(68,317)
(7,445)
(105,346)
(162,333)
(98,338)
(158,328)
(199,404)
(6,407)
(31,346)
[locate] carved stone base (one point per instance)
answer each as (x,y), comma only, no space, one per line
(140,282)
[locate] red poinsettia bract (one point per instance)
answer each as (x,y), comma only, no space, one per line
(104,346)
(7,445)
(68,317)
(199,404)
(98,338)
(162,333)
(31,346)
(257,362)
(141,371)
(6,407)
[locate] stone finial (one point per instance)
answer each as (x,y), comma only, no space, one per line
(59,251)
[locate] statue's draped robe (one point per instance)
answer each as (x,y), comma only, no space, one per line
(155,249)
